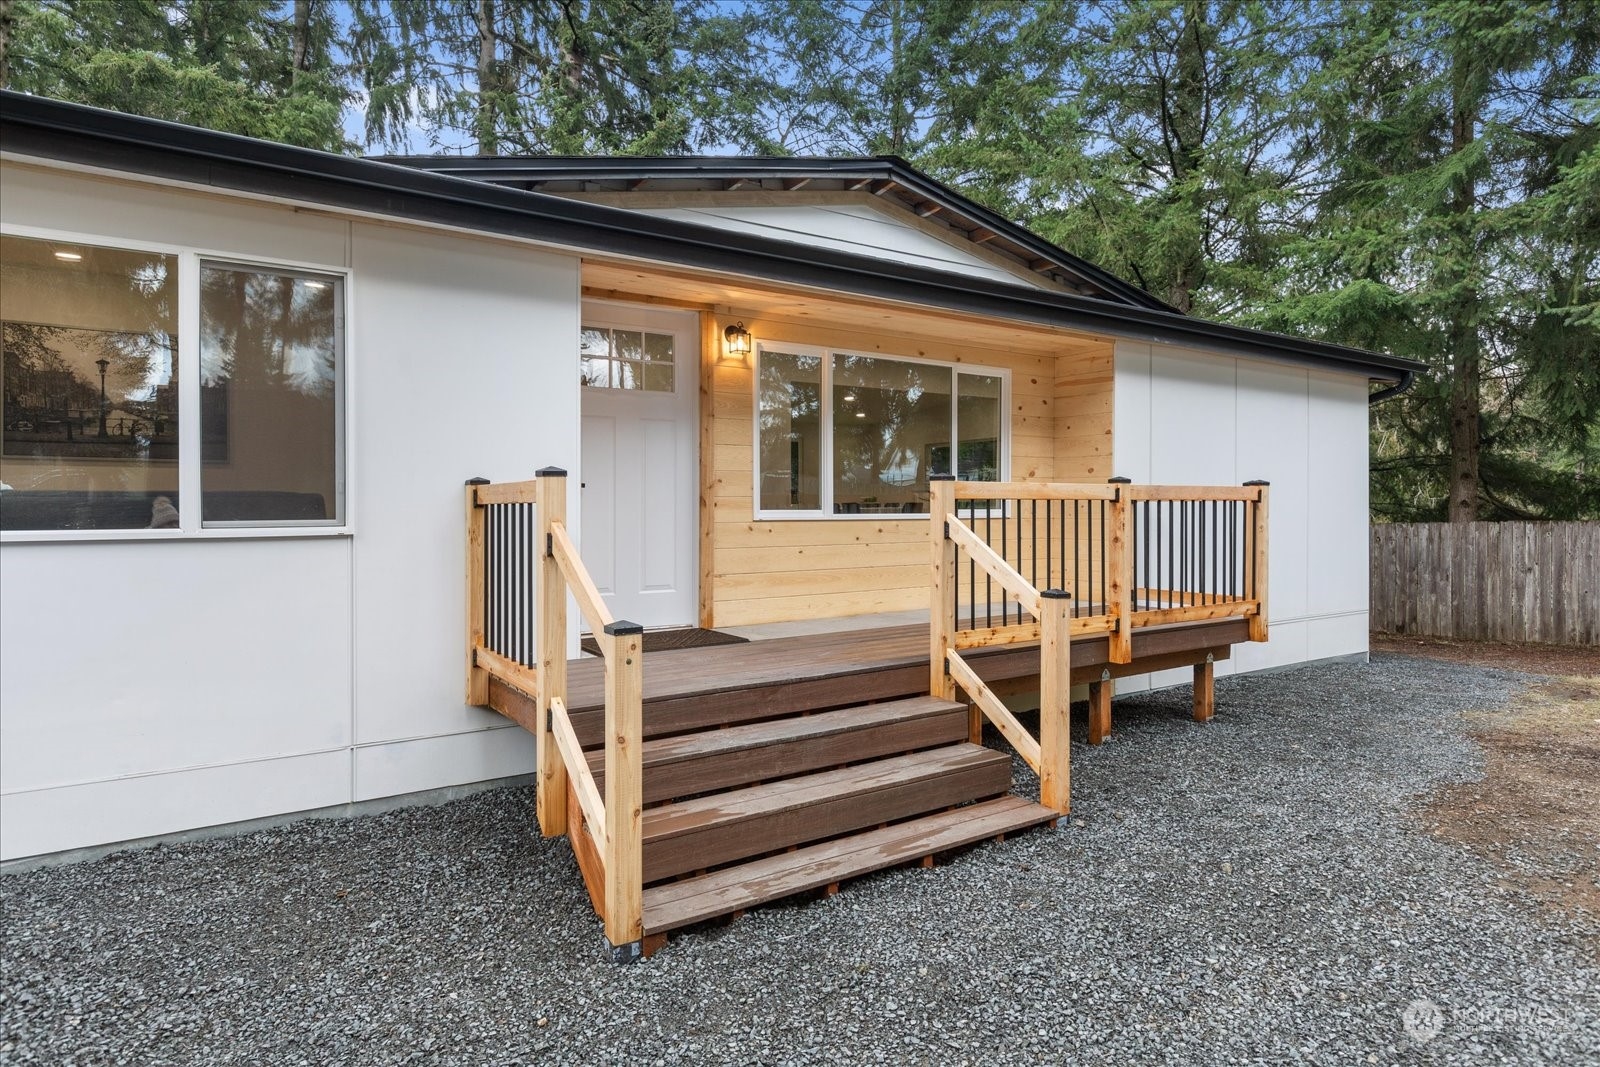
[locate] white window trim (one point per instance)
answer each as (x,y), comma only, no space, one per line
(189,259)
(825,479)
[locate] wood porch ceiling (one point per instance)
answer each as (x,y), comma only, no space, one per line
(733,298)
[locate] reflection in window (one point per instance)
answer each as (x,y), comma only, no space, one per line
(892,422)
(978,415)
(627,359)
(89,350)
(790,390)
(889,417)
(270,369)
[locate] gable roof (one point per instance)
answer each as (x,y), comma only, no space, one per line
(888,178)
(43,129)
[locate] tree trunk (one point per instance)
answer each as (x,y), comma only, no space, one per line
(488,81)
(302,37)
(8,22)
(1186,126)
(1465,351)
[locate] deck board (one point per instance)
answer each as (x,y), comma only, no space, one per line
(691,672)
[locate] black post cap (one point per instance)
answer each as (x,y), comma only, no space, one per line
(477,481)
(1258,481)
(623,627)
(1119,480)
(550,472)
(1055,594)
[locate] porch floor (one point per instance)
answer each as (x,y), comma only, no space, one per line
(877,662)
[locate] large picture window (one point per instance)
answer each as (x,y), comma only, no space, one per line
(848,434)
(102,385)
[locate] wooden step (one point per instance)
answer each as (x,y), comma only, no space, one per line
(725,827)
(677,904)
(722,706)
(722,759)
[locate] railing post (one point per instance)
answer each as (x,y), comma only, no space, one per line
(1257,561)
(1055,700)
(550,777)
(1119,572)
(477,677)
(624,896)
(942,608)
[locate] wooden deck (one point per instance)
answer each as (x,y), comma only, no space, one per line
(695,783)
(879,664)
(703,688)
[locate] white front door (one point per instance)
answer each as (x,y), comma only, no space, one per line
(640,475)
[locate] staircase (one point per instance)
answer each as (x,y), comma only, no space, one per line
(737,816)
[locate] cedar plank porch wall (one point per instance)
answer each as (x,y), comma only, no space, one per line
(776,571)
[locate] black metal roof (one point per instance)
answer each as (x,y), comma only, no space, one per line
(51,130)
(884,177)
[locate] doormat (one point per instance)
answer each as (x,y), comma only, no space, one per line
(678,637)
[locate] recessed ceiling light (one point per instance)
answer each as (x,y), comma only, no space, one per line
(849,398)
(69,257)
(861,414)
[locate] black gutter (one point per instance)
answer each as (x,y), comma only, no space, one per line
(853,168)
(71,133)
(1394,390)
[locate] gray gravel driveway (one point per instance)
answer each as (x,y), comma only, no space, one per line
(1255,890)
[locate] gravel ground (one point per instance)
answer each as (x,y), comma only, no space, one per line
(1256,890)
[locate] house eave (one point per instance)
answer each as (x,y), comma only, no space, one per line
(47,130)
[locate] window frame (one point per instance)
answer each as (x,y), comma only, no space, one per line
(612,322)
(826,476)
(190,259)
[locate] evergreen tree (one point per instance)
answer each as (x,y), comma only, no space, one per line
(254,67)
(1453,226)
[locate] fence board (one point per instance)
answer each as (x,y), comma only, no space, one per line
(1497,581)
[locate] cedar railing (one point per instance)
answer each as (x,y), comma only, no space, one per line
(521,566)
(1023,562)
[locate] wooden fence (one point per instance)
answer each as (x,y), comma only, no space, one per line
(1489,581)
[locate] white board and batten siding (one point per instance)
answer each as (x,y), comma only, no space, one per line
(1190,417)
(223,680)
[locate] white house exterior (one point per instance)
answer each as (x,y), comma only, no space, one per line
(155,681)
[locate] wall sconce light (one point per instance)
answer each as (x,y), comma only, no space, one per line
(736,343)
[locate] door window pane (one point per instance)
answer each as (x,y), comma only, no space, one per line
(789,409)
(628,359)
(89,350)
(271,353)
(891,420)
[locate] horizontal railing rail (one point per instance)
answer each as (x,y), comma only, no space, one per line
(521,567)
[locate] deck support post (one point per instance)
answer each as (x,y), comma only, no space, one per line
(550,776)
(1256,560)
(942,610)
(624,915)
(477,585)
(1205,698)
(1100,694)
(1119,575)
(1055,700)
